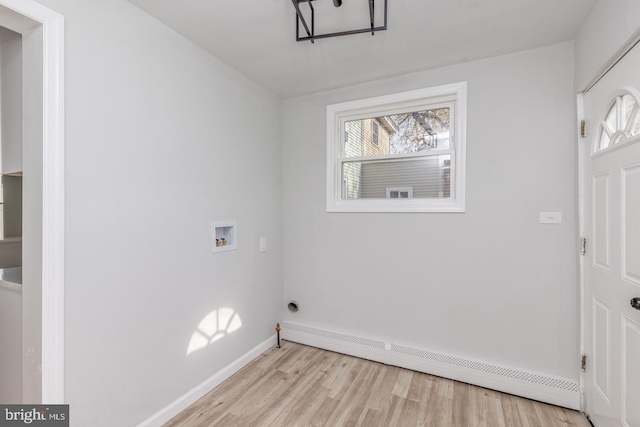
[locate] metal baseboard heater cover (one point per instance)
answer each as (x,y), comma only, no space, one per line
(532,385)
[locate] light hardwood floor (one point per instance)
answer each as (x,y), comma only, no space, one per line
(298,385)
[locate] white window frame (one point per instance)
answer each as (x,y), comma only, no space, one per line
(415,100)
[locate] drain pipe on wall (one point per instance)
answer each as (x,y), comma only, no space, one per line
(293,307)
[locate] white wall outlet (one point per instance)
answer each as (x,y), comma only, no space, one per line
(263,244)
(550,217)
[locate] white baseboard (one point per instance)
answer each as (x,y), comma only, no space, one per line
(546,388)
(190,397)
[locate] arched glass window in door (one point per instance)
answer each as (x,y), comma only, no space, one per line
(620,123)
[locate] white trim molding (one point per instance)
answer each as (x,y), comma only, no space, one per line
(551,389)
(624,48)
(183,402)
(25,15)
(582,145)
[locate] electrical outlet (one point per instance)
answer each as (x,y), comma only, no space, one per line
(550,217)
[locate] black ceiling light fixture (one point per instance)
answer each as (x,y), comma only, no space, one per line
(310,30)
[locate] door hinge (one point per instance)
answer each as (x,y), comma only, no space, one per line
(583,246)
(583,363)
(583,128)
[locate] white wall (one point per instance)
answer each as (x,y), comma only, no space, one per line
(491,284)
(161,140)
(610,24)
(11,100)
(11,348)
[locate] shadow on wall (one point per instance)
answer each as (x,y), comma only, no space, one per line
(215,325)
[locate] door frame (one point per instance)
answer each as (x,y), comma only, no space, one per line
(584,147)
(22,16)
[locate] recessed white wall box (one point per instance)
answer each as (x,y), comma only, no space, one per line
(550,217)
(223,236)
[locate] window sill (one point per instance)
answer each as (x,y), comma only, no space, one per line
(396,205)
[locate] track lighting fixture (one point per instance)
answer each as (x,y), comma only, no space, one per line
(310,29)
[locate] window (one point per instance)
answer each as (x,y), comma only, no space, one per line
(400,193)
(374,132)
(620,123)
(398,153)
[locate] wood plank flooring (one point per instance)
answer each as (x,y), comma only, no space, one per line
(298,385)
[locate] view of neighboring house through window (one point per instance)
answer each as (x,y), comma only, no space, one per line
(399,135)
(403,154)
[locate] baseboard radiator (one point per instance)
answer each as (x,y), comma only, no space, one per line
(531,385)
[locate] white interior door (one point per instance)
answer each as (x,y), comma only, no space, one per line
(612,228)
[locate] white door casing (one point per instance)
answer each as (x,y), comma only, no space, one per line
(612,229)
(24,16)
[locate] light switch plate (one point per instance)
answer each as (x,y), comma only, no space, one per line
(263,244)
(550,217)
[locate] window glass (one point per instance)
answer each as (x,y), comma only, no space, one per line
(604,140)
(421,130)
(395,136)
(429,177)
(631,123)
(611,118)
(620,123)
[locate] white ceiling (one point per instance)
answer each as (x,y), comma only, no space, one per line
(257,37)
